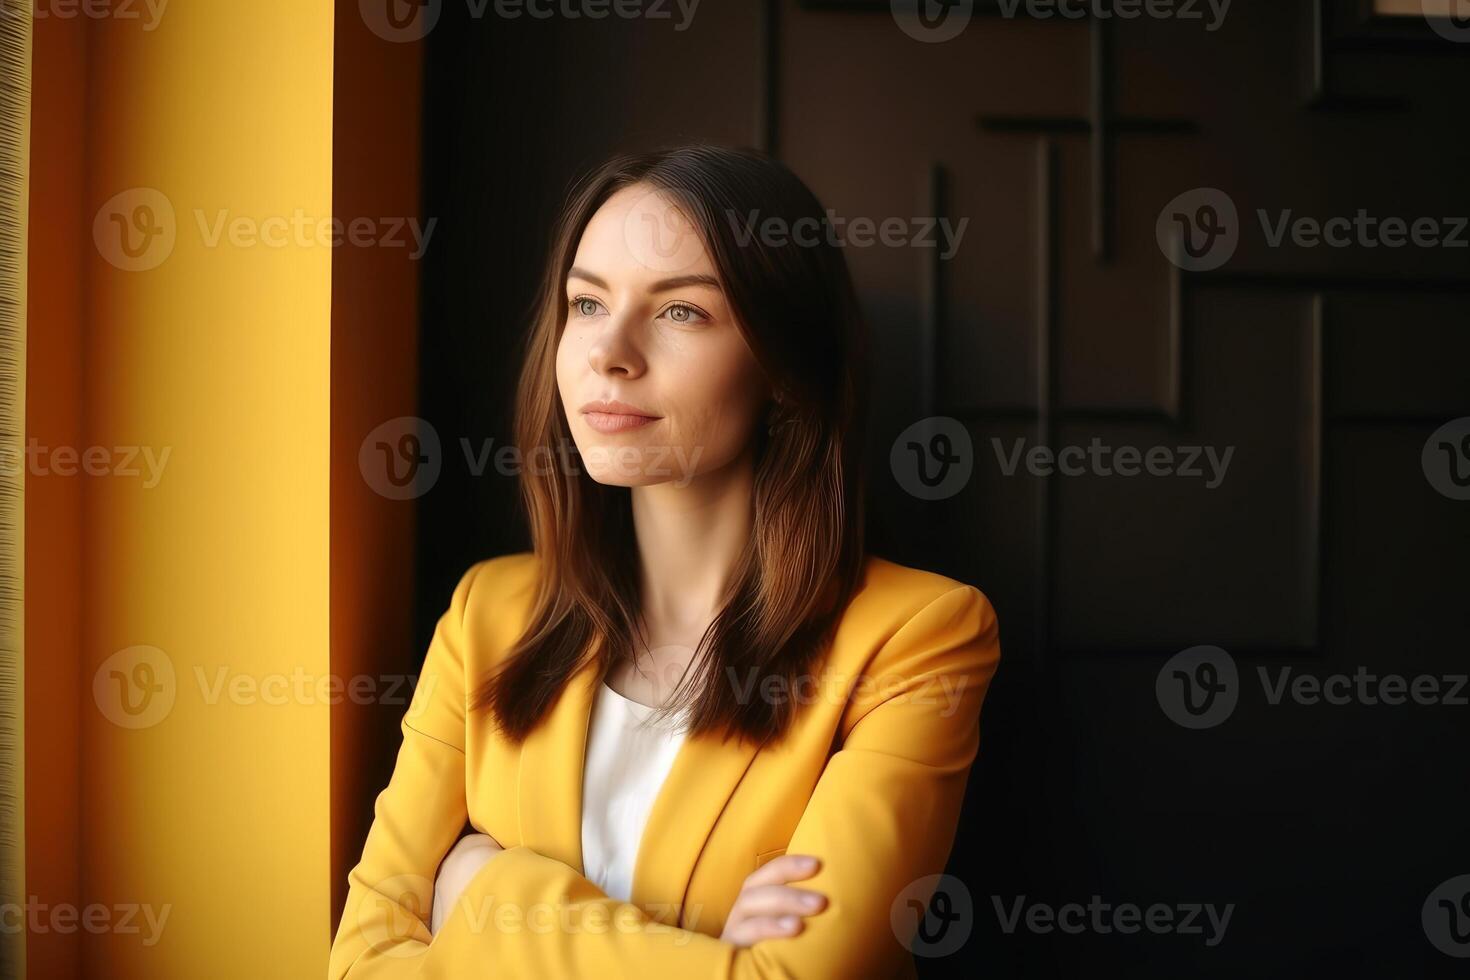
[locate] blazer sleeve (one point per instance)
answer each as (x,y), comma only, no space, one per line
(882,818)
(384,930)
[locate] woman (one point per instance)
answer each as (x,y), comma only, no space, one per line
(628,745)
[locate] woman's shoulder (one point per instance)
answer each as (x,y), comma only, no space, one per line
(899,606)
(503,571)
(885,586)
(495,596)
(904,588)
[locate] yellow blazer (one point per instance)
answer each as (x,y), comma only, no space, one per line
(870,780)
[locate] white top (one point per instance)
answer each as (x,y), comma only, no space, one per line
(628,759)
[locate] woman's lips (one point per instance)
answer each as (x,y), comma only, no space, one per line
(611,422)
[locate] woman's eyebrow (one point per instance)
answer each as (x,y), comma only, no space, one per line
(662,286)
(679,282)
(586,276)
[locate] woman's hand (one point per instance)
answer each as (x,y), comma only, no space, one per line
(768,908)
(460,865)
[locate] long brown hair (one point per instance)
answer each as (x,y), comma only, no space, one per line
(796,306)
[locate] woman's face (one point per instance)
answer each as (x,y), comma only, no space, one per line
(648,326)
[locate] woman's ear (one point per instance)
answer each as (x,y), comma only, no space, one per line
(775,403)
(779,413)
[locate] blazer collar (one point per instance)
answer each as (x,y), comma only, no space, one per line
(704,774)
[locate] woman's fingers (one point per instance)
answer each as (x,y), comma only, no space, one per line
(751,931)
(464,859)
(456,871)
(767,908)
(787,867)
(777,900)
(474,842)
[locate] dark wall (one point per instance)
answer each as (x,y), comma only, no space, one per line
(1331,545)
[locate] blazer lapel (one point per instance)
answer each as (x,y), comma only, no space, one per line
(704,774)
(549,787)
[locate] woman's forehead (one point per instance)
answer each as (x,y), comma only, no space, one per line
(638,236)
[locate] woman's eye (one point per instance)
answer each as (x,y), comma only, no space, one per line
(681,313)
(585,306)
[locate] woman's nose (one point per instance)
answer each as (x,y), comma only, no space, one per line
(615,351)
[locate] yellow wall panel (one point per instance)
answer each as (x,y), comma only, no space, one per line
(204,597)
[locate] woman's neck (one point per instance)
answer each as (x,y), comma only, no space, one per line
(690,538)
